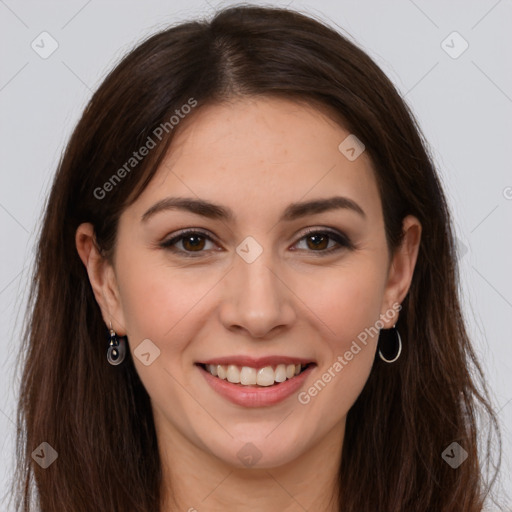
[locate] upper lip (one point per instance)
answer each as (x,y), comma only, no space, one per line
(256,362)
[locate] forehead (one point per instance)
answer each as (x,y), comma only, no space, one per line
(255,154)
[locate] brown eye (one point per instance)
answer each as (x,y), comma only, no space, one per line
(318,241)
(192,241)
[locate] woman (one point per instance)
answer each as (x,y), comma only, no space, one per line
(246,290)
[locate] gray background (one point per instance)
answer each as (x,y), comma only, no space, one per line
(463,104)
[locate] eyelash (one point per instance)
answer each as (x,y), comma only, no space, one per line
(342,240)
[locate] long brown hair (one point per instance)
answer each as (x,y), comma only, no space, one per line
(98,417)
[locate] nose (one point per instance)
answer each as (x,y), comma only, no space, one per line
(257,298)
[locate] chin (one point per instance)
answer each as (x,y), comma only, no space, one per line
(258,451)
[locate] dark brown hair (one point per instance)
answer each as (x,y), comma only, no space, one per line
(98,417)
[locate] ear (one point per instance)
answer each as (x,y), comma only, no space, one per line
(102,278)
(401,268)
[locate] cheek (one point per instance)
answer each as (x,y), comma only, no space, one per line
(347,301)
(165,304)
(161,302)
(348,306)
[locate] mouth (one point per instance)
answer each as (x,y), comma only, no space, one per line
(254,376)
(268,382)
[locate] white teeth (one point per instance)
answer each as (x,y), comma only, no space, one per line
(248,376)
(221,372)
(233,374)
(281,373)
(266,376)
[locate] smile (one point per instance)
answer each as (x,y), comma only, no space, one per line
(256,382)
(249,376)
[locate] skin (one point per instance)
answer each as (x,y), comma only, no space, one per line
(254,156)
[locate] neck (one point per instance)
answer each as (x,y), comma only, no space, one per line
(195,480)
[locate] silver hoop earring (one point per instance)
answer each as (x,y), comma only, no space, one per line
(116,348)
(390,338)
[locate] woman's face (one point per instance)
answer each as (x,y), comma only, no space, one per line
(253,289)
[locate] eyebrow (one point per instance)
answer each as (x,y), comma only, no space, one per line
(217,212)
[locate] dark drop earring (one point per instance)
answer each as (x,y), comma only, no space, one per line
(116,348)
(390,344)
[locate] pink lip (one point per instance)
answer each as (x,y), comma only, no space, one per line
(256,362)
(256,396)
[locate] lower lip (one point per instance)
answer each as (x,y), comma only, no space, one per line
(256,396)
